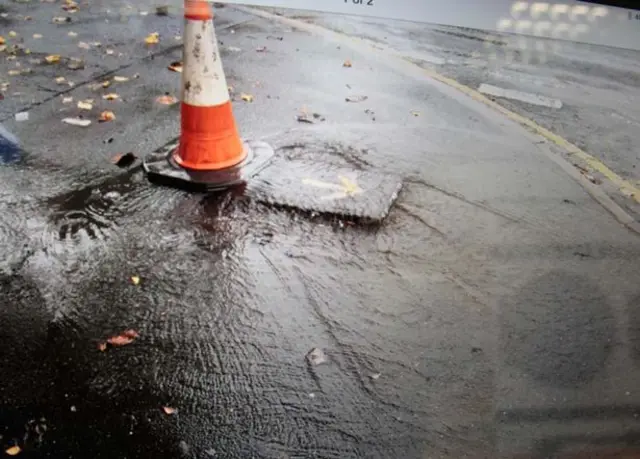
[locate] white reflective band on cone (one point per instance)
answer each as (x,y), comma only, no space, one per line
(203,80)
(585,22)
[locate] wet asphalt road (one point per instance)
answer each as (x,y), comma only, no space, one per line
(493,314)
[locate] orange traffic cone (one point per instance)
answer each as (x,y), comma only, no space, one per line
(210,153)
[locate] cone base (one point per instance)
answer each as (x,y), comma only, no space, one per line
(161,168)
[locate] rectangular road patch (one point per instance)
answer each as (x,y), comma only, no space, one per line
(326,189)
(525,97)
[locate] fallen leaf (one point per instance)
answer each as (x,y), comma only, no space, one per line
(120,79)
(2,40)
(124,160)
(176,66)
(85,105)
(106,115)
(37,36)
(77,122)
(52,58)
(83,45)
(111,96)
(130,333)
(13,451)
(262,49)
(120,340)
(67,100)
(356,98)
(12,34)
(135,280)
(166,100)
(152,38)
(347,63)
(415,113)
(246,97)
(102,346)
(168,410)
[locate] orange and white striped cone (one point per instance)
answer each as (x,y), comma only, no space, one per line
(210,153)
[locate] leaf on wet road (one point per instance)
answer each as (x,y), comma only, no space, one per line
(125,160)
(176,66)
(85,104)
(126,337)
(356,98)
(111,96)
(120,79)
(166,100)
(52,58)
(77,122)
(13,451)
(135,280)
(106,115)
(152,38)
(246,97)
(168,410)
(347,63)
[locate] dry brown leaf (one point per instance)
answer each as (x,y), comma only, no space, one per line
(166,100)
(102,346)
(77,122)
(13,451)
(120,79)
(135,280)
(106,115)
(347,63)
(2,40)
(60,80)
(168,410)
(152,38)
(246,97)
(176,66)
(85,104)
(52,58)
(111,96)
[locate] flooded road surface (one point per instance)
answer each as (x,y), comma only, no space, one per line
(493,313)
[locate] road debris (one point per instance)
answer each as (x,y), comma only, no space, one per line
(273,37)
(36,36)
(60,80)
(166,99)
(83,45)
(347,64)
(246,97)
(152,39)
(64,20)
(111,96)
(126,337)
(106,115)
(316,356)
(13,451)
(102,346)
(375,376)
(67,100)
(75,64)
(2,40)
(125,160)
(85,104)
(176,66)
(135,280)
(13,34)
(168,410)
(22,116)
(415,113)
(52,58)
(162,10)
(356,98)
(77,122)
(261,49)
(120,79)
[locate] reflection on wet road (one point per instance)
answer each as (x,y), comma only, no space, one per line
(491,314)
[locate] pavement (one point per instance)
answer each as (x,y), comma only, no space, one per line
(492,313)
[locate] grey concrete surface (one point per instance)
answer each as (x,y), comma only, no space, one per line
(493,314)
